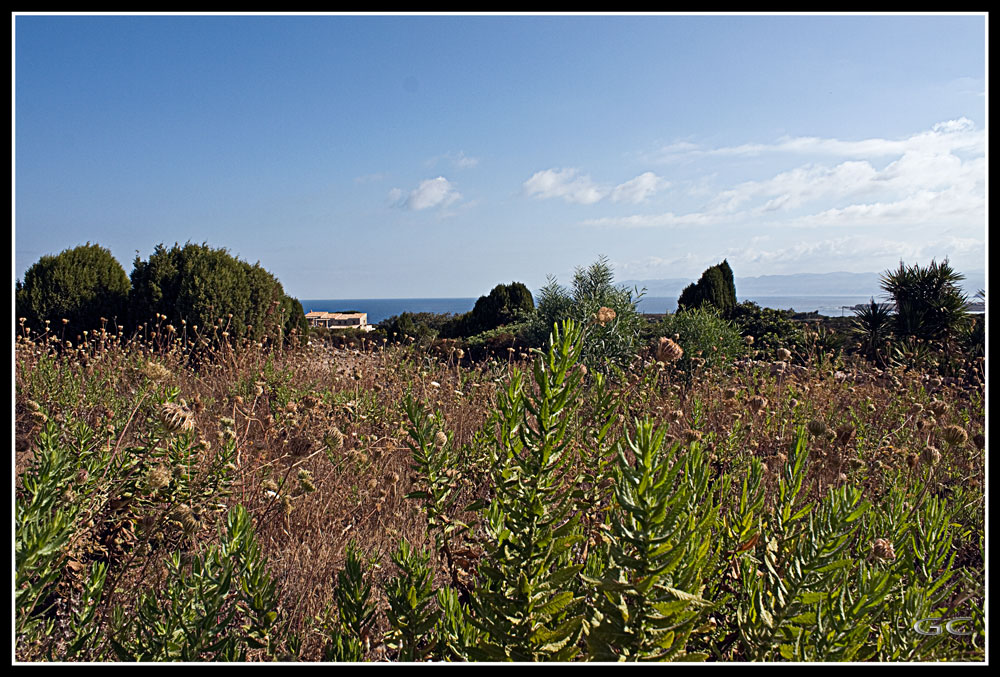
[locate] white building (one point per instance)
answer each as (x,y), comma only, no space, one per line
(319,318)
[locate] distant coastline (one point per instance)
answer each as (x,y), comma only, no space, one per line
(382,309)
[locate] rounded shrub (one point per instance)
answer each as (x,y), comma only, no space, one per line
(81,285)
(214,291)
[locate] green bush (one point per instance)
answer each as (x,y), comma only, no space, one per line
(81,285)
(703,334)
(608,342)
(213,291)
(771,329)
(423,328)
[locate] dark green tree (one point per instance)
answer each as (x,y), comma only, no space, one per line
(715,287)
(82,285)
(505,303)
(201,286)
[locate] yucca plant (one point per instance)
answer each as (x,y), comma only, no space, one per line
(873,326)
(661,537)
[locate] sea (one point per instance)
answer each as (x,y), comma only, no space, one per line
(381,309)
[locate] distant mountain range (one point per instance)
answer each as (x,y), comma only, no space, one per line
(799,284)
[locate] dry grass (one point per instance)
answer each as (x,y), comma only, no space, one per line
(336,413)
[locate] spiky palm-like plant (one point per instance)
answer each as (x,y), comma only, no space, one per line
(873,326)
(929,303)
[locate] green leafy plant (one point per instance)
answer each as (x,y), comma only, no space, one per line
(525,596)
(661,537)
(412,612)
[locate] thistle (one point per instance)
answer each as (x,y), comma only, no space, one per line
(882,549)
(667,351)
(817,427)
(176,418)
(954,435)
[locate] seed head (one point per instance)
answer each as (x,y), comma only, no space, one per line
(930,455)
(668,351)
(691,435)
(305,481)
(440,439)
(938,407)
(176,418)
(157,478)
(156,372)
(604,315)
(816,427)
(954,435)
(882,549)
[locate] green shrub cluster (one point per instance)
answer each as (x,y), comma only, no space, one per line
(190,286)
(704,335)
(612,338)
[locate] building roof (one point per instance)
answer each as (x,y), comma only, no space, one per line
(323,315)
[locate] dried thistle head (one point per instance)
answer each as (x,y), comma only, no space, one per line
(882,549)
(157,478)
(938,407)
(175,417)
(155,372)
(691,435)
(816,427)
(930,455)
(604,315)
(668,351)
(953,435)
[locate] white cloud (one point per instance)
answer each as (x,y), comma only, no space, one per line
(943,137)
(572,186)
(930,179)
(437,192)
(458,160)
(567,184)
(638,189)
(663,220)
(864,251)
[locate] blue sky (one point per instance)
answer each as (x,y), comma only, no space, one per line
(423,156)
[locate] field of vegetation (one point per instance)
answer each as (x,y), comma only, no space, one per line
(720,486)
